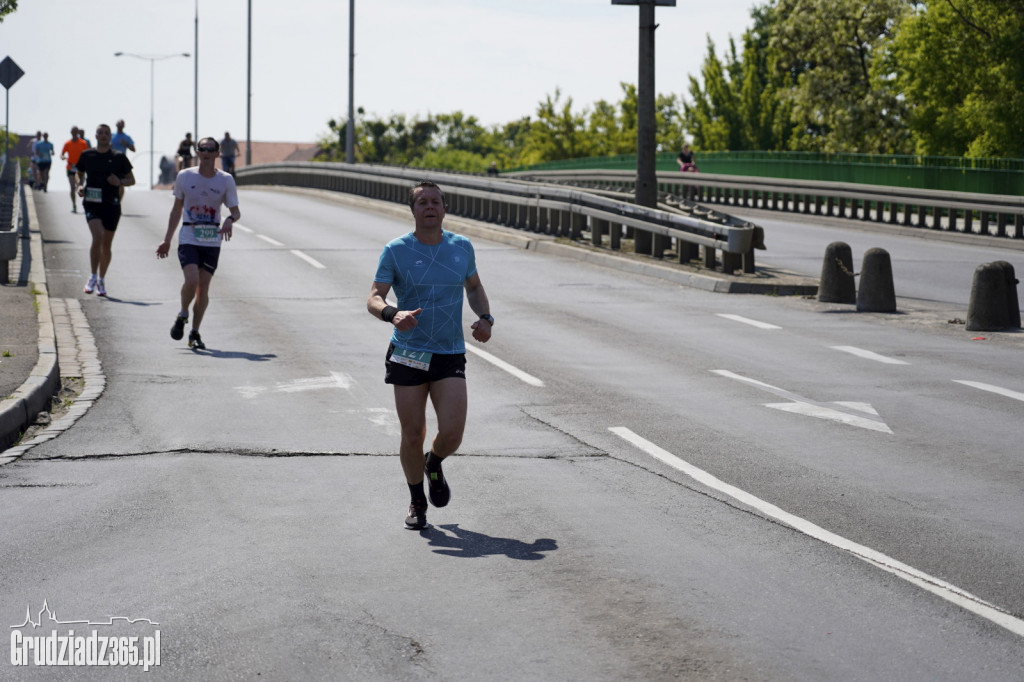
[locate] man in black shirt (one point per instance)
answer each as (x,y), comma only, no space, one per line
(106,171)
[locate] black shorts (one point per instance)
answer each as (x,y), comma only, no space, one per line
(442,366)
(108,214)
(206,257)
(44,165)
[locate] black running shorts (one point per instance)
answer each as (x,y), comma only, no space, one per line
(108,214)
(442,366)
(206,257)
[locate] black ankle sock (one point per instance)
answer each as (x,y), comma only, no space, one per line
(418,496)
(433,461)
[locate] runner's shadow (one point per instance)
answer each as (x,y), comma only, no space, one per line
(121,300)
(234,355)
(470,545)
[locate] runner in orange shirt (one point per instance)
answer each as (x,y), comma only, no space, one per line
(73,149)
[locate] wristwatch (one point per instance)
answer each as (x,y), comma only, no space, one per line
(490,320)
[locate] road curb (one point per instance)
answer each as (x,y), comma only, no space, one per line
(33,397)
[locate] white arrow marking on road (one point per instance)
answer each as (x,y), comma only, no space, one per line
(336,380)
(312,261)
(747,320)
(992,389)
(498,362)
(937,586)
(867,419)
(243,228)
(868,355)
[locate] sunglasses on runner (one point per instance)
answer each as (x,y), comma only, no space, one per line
(207,149)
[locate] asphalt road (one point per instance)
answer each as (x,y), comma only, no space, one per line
(656,482)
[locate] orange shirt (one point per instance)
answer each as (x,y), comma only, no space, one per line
(74,149)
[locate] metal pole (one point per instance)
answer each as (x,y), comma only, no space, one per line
(248,96)
(152,142)
(350,129)
(195,84)
(646,179)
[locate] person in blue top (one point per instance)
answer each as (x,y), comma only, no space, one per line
(428,268)
(44,159)
(122,142)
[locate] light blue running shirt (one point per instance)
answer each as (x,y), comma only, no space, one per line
(432,278)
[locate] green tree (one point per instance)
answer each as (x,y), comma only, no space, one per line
(960,64)
(832,50)
(737,104)
(557,133)
(7,7)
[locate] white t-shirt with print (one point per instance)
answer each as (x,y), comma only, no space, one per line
(202,199)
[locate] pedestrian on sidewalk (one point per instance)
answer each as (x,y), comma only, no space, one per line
(106,171)
(429,268)
(198,195)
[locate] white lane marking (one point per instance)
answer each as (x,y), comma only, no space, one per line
(868,355)
(868,419)
(937,586)
(312,261)
(243,228)
(514,371)
(992,389)
(269,240)
(747,320)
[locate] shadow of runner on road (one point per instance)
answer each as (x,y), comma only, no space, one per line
(233,354)
(470,545)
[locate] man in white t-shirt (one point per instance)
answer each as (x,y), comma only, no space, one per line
(199,193)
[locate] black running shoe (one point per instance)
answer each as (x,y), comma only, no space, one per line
(437,487)
(195,341)
(417,517)
(178,329)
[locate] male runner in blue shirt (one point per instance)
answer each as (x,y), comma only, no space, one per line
(429,269)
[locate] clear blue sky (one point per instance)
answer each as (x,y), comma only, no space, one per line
(495,59)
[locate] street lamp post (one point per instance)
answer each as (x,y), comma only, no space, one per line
(152,59)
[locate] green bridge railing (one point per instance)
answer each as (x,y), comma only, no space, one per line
(954,174)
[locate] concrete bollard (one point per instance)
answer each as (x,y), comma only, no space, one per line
(877,294)
(993,305)
(837,284)
(1012,301)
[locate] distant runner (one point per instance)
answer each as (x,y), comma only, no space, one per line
(198,195)
(106,171)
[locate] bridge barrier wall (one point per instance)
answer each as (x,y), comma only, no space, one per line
(968,213)
(541,207)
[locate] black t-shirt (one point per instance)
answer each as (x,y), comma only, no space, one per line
(98,166)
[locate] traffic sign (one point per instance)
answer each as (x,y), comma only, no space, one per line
(9,73)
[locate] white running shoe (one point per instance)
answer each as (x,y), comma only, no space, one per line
(101,288)
(90,285)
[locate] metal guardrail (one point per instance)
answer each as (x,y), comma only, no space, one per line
(9,204)
(968,213)
(537,207)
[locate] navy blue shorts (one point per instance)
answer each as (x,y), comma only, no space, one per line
(442,366)
(206,257)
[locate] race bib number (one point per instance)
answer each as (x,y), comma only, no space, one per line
(94,194)
(417,359)
(206,233)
